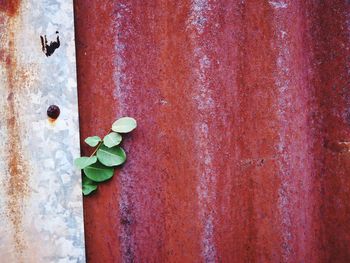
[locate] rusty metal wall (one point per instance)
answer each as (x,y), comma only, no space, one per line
(242,149)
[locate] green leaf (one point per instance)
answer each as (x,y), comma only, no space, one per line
(83,162)
(124,125)
(93,140)
(112,139)
(97,172)
(111,156)
(88,186)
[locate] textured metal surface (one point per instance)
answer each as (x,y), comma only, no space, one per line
(40,202)
(241,153)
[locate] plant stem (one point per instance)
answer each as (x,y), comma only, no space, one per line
(98,146)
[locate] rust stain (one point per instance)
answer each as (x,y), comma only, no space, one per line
(97,14)
(51,121)
(17,187)
(275,104)
(10,7)
(338,146)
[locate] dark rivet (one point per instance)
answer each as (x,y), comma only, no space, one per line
(53,112)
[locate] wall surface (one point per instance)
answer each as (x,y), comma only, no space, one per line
(41,207)
(242,150)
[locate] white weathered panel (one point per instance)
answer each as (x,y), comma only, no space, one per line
(40,192)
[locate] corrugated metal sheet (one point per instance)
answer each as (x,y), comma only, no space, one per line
(40,192)
(242,149)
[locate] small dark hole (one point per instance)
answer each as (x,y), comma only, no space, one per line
(53,112)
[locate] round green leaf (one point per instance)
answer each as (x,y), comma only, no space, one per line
(112,139)
(88,186)
(124,125)
(83,162)
(97,172)
(111,156)
(88,189)
(93,140)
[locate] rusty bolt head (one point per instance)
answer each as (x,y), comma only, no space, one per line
(53,112)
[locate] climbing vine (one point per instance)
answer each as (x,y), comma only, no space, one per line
(108,154)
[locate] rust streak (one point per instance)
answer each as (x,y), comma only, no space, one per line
(17,188)
(337,146)
(10,7)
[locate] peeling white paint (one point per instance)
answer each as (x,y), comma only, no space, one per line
(283,84)
(198,18)
(204,101)
(292,100)
(278,4)
(123,25)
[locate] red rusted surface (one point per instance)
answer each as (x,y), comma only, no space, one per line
(10,6)
(16,74)
(241,154)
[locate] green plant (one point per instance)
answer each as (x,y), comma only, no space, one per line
(108,154)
